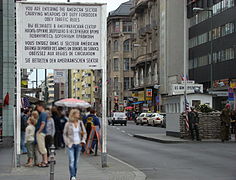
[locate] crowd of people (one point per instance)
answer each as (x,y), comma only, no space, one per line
(43,127)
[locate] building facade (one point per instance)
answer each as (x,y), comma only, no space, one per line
(172,41)
(145,64)
(7,64)
(212,46)
(119,57)
(83,85)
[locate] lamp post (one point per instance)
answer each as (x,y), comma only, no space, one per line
(197,10)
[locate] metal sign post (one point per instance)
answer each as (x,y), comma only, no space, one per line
(62,36)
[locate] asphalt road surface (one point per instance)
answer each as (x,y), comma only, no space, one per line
(191,161)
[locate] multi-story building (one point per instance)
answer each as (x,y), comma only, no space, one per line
(98,92)
(212,46)
(83,85)
(145,64)
(119,57)
(7,64)
(172,41)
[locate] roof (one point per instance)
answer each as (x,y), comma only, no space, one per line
(122,10)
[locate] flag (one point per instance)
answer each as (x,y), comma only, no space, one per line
(25,102)
(187,109)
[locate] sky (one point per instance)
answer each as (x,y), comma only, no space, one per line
(111,5)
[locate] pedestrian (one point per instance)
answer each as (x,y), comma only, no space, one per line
(225,123)
(41,132)
(35,115)
(50,132)
(233,122)
(29,140)
(57,136)
(194,123)
(24,118)
(75,137)
(63,121)
(90,121)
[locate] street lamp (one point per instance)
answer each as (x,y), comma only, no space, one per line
(197,10)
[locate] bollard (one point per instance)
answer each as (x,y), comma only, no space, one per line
(52,161)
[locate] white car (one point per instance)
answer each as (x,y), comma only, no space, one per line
(156,119)
(118,118)
(143,118)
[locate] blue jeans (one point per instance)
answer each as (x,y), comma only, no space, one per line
(74,154)
(22,142)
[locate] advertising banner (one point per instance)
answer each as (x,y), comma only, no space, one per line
(60,36)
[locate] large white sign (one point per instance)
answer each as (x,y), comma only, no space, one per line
(60,36)
(178,89)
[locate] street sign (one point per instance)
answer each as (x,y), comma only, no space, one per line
(178,89)
(55,36)
(148,92)
(61,36)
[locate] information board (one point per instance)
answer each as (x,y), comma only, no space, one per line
(60,36)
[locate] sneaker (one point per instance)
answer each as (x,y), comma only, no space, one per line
(73,178)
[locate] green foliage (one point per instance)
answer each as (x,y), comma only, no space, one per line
(204,108)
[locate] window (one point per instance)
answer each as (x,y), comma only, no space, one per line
(116,27)
(116,64)
(127,46)
(116,86)
(217,8)
(116,46)
(126,64)
(216,33)
(126,83)
(132,82)
(203,61)
(127,26)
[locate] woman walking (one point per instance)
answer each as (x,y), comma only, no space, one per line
(50,132)
(75,137)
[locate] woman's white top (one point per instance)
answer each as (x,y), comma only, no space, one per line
(76,131)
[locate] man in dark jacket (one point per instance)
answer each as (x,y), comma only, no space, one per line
(89,121)
(225,123)
(24,118)
(193,123)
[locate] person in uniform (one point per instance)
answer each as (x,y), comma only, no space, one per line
(225,123)
(193,123)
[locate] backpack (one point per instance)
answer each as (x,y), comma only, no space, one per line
(89,124)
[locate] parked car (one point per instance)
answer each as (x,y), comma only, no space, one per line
(164,120)
(143,118)
(118,118)
(156,119)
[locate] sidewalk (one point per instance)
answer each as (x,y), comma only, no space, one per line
(89,169)
(163,138)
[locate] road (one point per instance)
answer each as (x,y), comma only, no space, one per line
(191,161)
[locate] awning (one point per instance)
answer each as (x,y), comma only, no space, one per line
(139,102)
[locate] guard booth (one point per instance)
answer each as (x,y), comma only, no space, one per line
(175,105)
(61,36)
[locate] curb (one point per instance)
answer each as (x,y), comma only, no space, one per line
(139,175)
(158,140)
(177,142)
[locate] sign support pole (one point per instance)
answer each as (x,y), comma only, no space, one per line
(18,116)
(104,91)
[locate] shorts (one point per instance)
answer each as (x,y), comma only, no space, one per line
(41,143)
(30,149)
